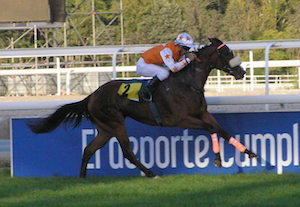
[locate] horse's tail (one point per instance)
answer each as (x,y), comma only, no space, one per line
(70,114)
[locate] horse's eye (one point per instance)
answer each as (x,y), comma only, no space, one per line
(228,53)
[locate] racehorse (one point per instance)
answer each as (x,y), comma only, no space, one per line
(179,100)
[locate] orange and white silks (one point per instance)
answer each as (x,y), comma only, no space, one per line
(167,54)
(215,143)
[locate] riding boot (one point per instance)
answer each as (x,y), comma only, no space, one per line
(146,92)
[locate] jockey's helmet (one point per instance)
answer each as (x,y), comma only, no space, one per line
(185,40)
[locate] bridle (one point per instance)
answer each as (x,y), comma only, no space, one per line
(229,66)
(232,63)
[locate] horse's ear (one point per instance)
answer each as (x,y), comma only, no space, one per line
(215,40)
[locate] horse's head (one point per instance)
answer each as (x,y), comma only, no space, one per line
(223,59)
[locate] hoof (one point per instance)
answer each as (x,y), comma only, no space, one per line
(156,177)
(149,174)
(218,163)
(82,175)
(252,155)
(217,160)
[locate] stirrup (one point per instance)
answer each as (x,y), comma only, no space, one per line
(145,95)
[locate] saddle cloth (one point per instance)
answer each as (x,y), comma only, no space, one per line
(130,88)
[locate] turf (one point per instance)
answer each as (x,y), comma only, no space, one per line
(169,191)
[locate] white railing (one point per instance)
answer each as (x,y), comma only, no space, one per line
(251,65)
(224,100)
(114,51)
(63,75)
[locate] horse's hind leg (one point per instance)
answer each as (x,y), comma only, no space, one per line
(124,142)
(99,141)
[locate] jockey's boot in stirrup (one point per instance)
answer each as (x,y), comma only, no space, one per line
(146,93)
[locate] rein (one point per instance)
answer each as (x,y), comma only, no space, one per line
(197,90)
(191,85)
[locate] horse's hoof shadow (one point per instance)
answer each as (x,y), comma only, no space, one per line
(156,177)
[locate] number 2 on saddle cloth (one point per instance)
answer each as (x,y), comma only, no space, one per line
(130,89)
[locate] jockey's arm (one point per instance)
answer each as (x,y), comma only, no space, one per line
(166,55)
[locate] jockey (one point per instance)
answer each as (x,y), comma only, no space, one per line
(157,62)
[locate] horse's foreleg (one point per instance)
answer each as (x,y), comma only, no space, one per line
(239,146)
(216,149)
(242,148)
(124,142)
(99,141)
(213,126)
(209,124)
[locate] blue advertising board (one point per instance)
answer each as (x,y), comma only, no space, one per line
(274,136)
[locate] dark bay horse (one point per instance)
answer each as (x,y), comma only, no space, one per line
(179,99)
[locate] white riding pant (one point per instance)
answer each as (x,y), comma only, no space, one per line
(151,70)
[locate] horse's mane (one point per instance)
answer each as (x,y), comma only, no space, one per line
(202,49)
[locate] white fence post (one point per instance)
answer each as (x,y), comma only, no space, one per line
(58,76)
(114,62)
(298,77)
(219,81)
(267,89)
(267,51)
(251,70)
(68,81)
